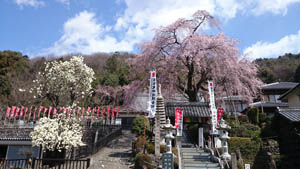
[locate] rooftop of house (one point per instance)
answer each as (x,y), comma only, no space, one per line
(233,98)
(279,86)
(269,104)
(292,114)
(284,95)
(189,109)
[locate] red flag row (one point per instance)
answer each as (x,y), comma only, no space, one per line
(38,112)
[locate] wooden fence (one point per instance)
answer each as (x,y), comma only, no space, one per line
(34,163)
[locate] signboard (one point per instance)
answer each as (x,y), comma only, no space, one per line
(214,118)
(201,141)
(247,166)
(167,161)
(211,95)
(214,121)
(179,121)
(152,94)
(219,115)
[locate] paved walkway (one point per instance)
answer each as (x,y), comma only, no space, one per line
(116,154)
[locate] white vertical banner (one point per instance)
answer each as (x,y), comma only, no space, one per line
(214,117)
(201,141)
(152,94)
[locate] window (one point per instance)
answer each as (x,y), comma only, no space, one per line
(274,98)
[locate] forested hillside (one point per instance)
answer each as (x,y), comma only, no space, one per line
(112,72)
(17,73)
(282,68)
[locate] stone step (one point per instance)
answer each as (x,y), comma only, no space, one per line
(192,150)
(201,165)
(195,157)
(202,168)
(196,161)
(195,153)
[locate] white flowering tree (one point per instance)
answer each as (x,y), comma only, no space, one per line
(57,134)
(64,83)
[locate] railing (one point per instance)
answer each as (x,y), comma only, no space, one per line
(101,141)
(220,159)
(33,163)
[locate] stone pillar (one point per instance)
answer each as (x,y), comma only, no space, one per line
(157,137)
(169,135)
(160,120)
(233,161)
(223,132)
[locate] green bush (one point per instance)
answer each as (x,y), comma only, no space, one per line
(163,148)
(243,130)
(175,152)
(253,115)
(140,144)
(243,119)
(142,160)
(138,125)
(150,148)
(247,146)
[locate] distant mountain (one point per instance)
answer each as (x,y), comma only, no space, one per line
(279,69)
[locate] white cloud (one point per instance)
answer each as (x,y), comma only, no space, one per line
(273,6)
(287,44)
(65,2)
(84,34)
(33,3)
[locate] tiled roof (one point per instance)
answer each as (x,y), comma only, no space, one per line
(282,97)
(233,98)
(293,114)
(279,85)
(269,104)
(15,139)
(190,109)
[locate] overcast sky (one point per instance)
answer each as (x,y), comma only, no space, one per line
(265,28)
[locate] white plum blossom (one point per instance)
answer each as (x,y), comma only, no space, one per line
(64,82)
(57,134)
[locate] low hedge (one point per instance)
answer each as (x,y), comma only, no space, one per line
(248,147)
(142,160)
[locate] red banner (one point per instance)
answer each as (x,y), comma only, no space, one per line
(34,113)
(13,112)
(30,112)
(83,111)
(25,112)
(93,113)
(45,111)
(41,108)
(219,114)
(54,112)
(49,112)
(103,112)
(178,116)
(21,113)
(98,112)
(7,112)
(17,112)
(113,113)
(108,112)
(78,111)
(118,110)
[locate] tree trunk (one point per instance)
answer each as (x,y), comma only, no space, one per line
(191,89)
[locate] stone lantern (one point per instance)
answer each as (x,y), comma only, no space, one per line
(223,135)
(169,128)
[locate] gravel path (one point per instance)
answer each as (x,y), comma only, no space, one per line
(116,154)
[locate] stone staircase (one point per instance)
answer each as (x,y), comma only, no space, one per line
(194,158)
